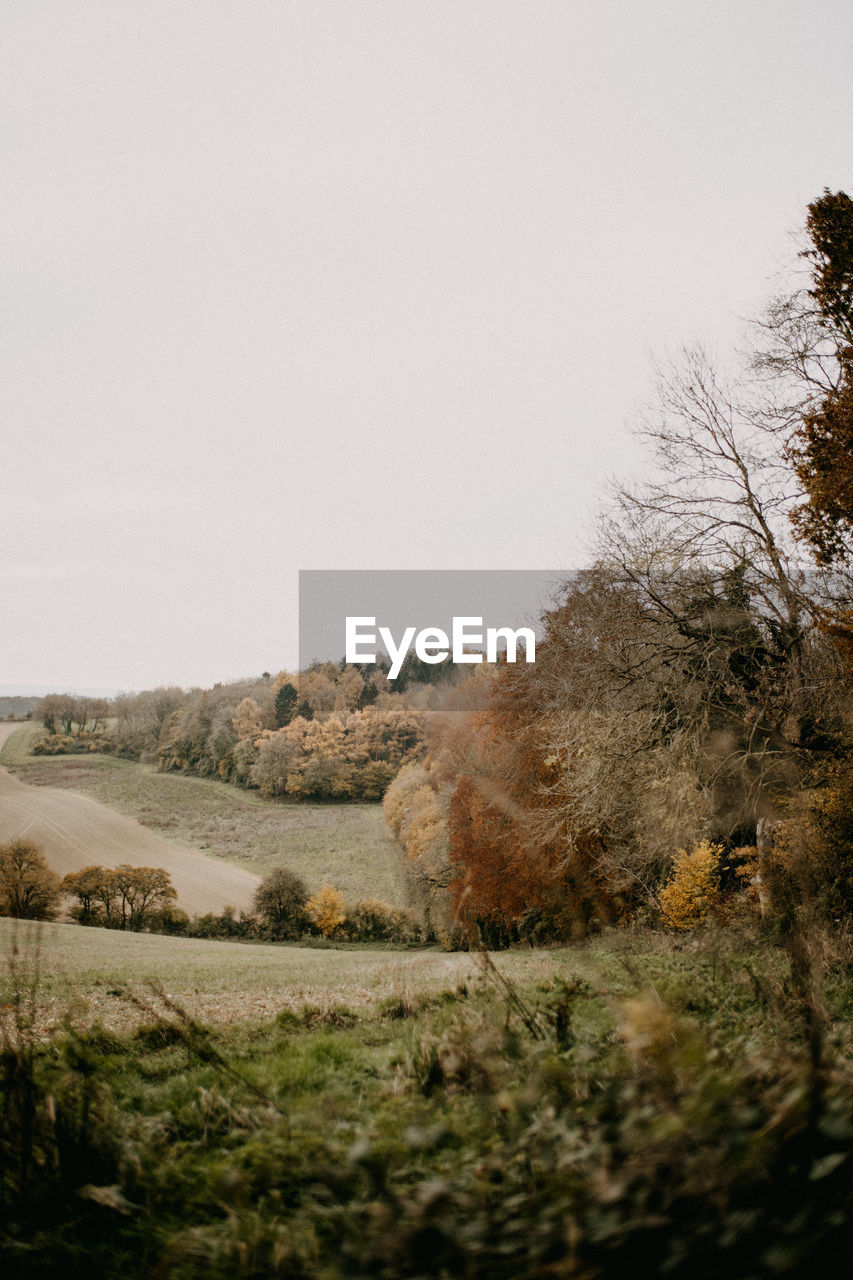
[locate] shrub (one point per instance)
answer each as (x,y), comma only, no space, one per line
(693,890)
(327,910)
(170,920)
(280,902)
(62,744)
(372,920)
(226,925)
(826,847)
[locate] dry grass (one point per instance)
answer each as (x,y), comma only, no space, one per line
(91,970)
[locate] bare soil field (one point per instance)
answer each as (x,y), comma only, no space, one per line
(74,832)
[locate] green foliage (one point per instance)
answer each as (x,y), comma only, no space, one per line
(59,1150)
(284,706)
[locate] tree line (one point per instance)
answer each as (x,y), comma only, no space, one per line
(144,898)
(122,897)
(332,732)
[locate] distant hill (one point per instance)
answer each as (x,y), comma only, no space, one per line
(16,706)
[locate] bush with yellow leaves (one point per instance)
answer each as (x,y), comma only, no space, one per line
(327,910)
(693,891)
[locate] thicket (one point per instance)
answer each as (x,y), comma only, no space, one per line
(333,733)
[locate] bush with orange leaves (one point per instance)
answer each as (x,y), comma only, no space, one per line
(693,890)
(327,910)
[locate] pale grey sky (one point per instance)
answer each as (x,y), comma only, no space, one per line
(360,285)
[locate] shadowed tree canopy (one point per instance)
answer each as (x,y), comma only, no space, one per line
(822,445)
(285,704)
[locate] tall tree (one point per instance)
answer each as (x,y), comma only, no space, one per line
(285,704)
(280,902)
(821,447)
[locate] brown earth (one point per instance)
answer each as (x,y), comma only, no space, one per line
(75,832)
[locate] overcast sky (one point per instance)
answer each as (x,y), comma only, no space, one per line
(360,284)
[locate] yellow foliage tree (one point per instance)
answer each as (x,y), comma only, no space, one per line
(327,909)
(248,720)
(693,890)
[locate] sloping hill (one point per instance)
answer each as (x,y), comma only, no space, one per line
(75,832)
(345,845)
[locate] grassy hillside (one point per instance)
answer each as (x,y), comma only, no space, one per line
(636,1108)
(221,982)
(74,831)
(346,845)
(15,750)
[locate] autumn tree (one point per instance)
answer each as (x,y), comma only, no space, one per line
(280,902)
(29,890)
(87,887)
(821,446)
(327,910)
(693,890)
(122,897)
(141,718)
(57,711)
(139,891)
(248,720)
(106,894)
(727,606)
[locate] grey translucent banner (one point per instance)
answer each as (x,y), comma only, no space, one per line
(387,608)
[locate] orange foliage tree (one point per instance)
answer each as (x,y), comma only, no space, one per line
(519,870)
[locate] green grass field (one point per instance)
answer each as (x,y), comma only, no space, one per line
(220,982)
(347,846)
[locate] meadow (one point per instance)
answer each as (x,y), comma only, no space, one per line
(347,846)
(631,1107)
(88,973)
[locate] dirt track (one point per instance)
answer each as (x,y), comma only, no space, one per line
(75,832)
